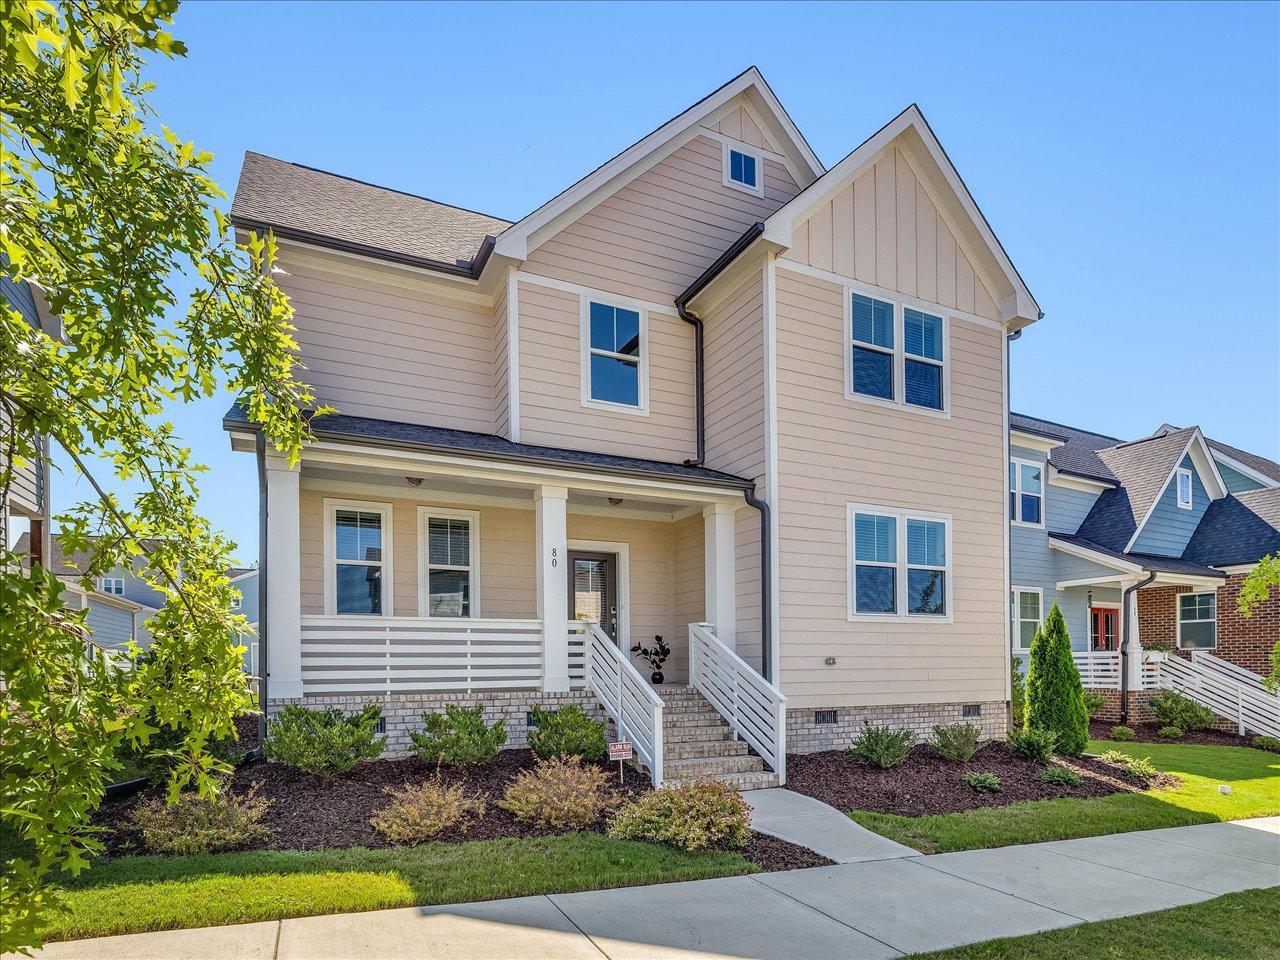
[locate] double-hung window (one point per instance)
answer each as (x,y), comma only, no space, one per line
(1197,621)
(922,364)
(1024,604)
(1185,494)
(112,585)
(447,586)
(357,558)
(873,353)
(613,356)
(900,563)
(1026,492)
(743,169)
(897,354)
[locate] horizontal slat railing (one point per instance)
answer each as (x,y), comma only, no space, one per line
(1202,658)
(754,708)
(1099,669)
(1250,709)
(635,708)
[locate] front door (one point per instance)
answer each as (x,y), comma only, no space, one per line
(593,589)
(1103,632)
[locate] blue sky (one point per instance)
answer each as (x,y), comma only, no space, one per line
(1128,156)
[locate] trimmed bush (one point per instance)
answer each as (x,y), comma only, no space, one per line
(957,742)
(882,746)
(324,742)
(1267,743)
(982,781)
(1093,703)
(1121,732)
(1172,733)
(1060,776)
(559,794)
(422,811)
(458,737)
(1175,710)
(567,732)
(702,815)
(197,824)
(1033,744)
(1055,696)
(1140,768)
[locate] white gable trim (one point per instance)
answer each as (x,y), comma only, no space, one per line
(519,238)
(1033,441)
(1018,310)
(1202,457)
(1254,475)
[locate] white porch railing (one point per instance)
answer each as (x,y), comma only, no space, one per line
(1249,708)
(636,710)
(384,655)
(1202,658)
(755,708)
(1099,669)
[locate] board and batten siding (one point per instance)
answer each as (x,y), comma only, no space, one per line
(380,342)
(1169,527)
(884,229)
(832,451)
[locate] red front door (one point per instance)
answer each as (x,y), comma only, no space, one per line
(1104,631)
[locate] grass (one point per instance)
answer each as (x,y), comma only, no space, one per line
(1234,927)
(137,894)
(1254,777)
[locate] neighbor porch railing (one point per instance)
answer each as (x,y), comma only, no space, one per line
(385,655)
(636,710)
(1241,701)
(1099,669)
(755,708)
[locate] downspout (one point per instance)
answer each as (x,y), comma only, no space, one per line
(1125,619)
(766,570)
(1008,396)
(698,422)
(260,445)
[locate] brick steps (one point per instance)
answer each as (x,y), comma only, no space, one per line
(698,743)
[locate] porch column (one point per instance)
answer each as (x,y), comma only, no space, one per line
(720,570)
(1135,642)
(284,592)
(553,585)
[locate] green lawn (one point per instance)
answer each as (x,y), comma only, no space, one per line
(1234,927)
(1254,777)
(136,894)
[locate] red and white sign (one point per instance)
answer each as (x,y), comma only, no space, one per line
(620,750)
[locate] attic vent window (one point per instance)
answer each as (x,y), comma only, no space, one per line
(824,716)
(1184,488)
(743,170)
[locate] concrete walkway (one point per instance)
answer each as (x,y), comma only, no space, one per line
(868,910)
(811,823)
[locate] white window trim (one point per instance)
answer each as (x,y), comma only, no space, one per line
(102,586)
(585,351)
(1178,617)
(900,575)
(1015,615)
(899,351)
(1191,490)
(1016,490)
(424,558)
(746,150)
(331,508)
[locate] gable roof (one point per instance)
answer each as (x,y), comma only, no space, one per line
(1267,468)
(1237,529)
(1078,455)
(331,210)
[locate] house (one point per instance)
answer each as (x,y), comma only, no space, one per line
(711,391)
(1147,539)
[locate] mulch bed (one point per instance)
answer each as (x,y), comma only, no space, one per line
(1150,733)
(927,784)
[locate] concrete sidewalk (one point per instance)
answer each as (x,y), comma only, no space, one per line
(811,823)
(866,910)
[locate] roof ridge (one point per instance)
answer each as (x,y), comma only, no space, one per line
(377,186)
(1163,436)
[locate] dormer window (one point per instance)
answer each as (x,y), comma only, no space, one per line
(743,170)
(1185,496)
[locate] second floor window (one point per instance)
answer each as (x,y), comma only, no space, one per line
(872,347)
(897,354)
(922,367)
(1184,489)
(1026,492)
(112,585)
(614,358)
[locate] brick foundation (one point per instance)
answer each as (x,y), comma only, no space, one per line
(1245,641)
(806,736)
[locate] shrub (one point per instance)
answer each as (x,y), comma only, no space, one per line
(1055,697)
(1061,776)
(197,824)
(1172,733)
(559,794)
(701,815)
(458,737)
(983,782)
(1093,703)
(1033,744)
(883,747)
(567,732)
(1138,767)
(957,742)
(1175,710)
(1267,743)
(324,742)
(422,811)
(1121,732)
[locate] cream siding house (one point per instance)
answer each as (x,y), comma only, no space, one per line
(644,410)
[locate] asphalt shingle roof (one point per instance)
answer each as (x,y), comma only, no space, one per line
(1268,468)
(310,203)
(1239,528)
(1148,561)
(1079,453)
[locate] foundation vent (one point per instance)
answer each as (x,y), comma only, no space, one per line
(971,710)
(824,716)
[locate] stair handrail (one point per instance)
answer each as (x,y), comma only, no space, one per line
(753,707)
(1203,658)
(627,698)
(1249,708)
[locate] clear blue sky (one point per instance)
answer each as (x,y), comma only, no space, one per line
(1128,156)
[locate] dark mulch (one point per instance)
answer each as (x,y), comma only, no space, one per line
(247,730)
(773,853)
(1150,733)
(927,784)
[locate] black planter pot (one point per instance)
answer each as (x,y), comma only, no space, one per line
(656,677)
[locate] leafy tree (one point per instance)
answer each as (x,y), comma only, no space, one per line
(1254,592)
(104,210)
(1055,696)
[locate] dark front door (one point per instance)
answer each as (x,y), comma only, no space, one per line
(593,589)
(1102,628)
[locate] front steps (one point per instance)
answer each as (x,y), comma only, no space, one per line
(699,744)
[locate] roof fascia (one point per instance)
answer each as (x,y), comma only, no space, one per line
(1034,441)
(1073,482)
(1202,457)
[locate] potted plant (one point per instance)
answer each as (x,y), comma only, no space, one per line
(1156,650)
(655,656)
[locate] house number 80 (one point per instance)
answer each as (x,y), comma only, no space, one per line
(554,562)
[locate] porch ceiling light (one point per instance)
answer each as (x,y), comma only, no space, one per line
(413,481)
(615,501)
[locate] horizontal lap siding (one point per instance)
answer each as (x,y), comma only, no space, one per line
(110,626)
(832,451)
(378,344)
(690,591)
(1170,527)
